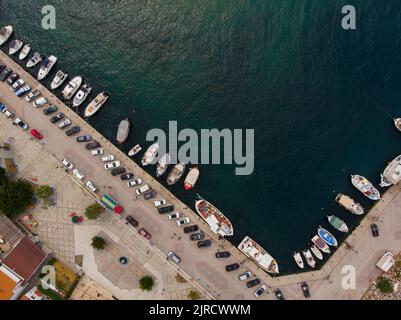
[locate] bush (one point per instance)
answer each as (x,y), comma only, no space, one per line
(93,211)
(44,192)
(98,243)
(146,283)
(385,285)
(194,295)
(15,197)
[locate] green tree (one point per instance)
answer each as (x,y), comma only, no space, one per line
(15,197)
(93,211)
(146,283)
(98,243)
(3,177)
(44,192)
(385,285)
(193,295)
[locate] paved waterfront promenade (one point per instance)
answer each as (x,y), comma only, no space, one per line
(360,250)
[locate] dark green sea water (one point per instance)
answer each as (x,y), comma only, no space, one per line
(284,68)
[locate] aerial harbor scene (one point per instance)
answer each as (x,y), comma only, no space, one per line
(225,150)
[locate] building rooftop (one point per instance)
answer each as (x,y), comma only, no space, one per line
(8,282)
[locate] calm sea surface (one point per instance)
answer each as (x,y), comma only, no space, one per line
(284,68)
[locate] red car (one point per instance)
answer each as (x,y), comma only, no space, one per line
(144,233)
(36,134)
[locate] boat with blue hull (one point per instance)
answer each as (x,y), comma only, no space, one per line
(327,237)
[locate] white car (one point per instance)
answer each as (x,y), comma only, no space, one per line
(91,186)
(9,114)
(245,276)
(78,174)
(112,165)
(40,102)
(22,124)
(108,158)
(17,84)
(159,203)
(174,215)
(142,189)
(97,152)
(183,221)
(135,182)
(68,164)
(32,95)
(65,123)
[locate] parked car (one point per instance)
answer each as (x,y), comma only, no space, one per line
(22,91)
(132,221)
(197,236)
(127,176)
(36,134)
(159,203)
(145,234)
(305,289)
(2,66)
(279,294)
(97,152)
(12,78)
(65,123)
(111,165)
(142,189)
(92,145)
(85,138)
(32,95)
(17,84)
(68,164)
(22,124)
(40,102)
(136,182)
(117,171)
(222,254)
(78,174)
(2,107)
(261,290)
(57,117)
(4,74)
(174,215)
(50,109)
(245,276)
(73,130)
(166,209)
(232,267)
(9,114)
(108,158)
(91,186)
(204,243)
(375,230)
(253,283)
(173,257)
(150,195)
(183,221)
(190,229)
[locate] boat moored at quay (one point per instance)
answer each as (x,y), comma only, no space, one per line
(258,255)
(163,164)
(123,131)
(24,52)
(47,65)
(192,178)
(216,220)
(349,204)
(321,244)
(337,223)
(96,104)
(150,154)
(15,46)
(327,237)
(72,87)
(175,174)
(5,34)
(58,80)
(34,60)
(365,186)
(81,95)
(392,173)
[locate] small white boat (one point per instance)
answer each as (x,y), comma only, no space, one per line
(397,123)
(96,104)
(192,178)
(72,87)
(123,131)
(163,164)
(365,186)
(321,244)
(384,183)
(5,34)
(309,258)
(25,51)
(150,154)
(34,60)
(349,204)
(58,79)
(47,65)
(81,95)
(175,174)
(135,150)
(298,259)
(316,252)
(15,46)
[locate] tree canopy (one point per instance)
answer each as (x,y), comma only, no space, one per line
(15,197)
(98,243)
(93,211)
(146,283)
(44,192)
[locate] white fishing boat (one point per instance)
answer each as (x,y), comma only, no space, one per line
(34,60)
(96,104)
(349,204)
(150,154)
(176,173)
(123,131)
(309,258)
(5,34)
(135,150)
(321,244)
(58,80)
(337,223)
(25,51)
(298,259)
(47,65)
(397,123)
(72,87)
(15,46)
(81,95)
(163,164)
(365,186)
(192,178)
(316,252)
(392,173)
